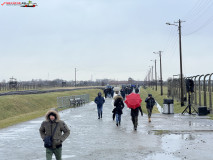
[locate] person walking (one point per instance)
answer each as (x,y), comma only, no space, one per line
(135,113)
(53,127)
(123,93)
(116,94)
(150,102)
(105,92)
(112,92)
(119,105)
(99,100)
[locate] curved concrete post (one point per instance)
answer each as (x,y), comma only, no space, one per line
(204,89)
(200,90)
(210,93)
(195,88)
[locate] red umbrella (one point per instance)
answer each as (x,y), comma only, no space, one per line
(133,100)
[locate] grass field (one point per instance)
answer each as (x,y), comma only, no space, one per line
(144,94)
(19,108)
(159,98)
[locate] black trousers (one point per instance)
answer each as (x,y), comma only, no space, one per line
(135,121)
(149,110)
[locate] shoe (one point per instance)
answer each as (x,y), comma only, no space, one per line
(98,117)
(149,119)
(116,124)
(135,128)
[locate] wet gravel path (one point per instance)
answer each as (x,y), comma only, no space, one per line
(167,137)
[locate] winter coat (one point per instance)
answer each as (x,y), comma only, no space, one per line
(99,101)
(48,126)
(119,105)
(135,112)
(150,102)
(123,93)
(105,91)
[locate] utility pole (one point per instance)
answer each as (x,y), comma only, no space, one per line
(156,82)
(161,79)
(152,78)
(181,69)
(156,88)
(75,77)
(149,77)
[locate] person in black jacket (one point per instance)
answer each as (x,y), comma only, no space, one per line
(135,112)
(105,92)
(99,100)
(150,102)
(123,94)
(119,105)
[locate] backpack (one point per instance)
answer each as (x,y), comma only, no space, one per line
(152,102)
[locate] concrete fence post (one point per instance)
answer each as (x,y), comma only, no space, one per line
(204,89)
(200,90)
(210,93)
(195,88)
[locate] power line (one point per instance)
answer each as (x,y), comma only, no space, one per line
(197,19)
(171,39)
(209,21)
(198,7)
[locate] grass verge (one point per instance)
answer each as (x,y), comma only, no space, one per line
(20,108)
(159,98)
(144,94)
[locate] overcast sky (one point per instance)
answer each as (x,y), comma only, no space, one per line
(104,39)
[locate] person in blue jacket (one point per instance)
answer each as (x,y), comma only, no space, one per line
(99,100)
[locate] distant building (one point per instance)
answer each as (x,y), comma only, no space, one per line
(130,80)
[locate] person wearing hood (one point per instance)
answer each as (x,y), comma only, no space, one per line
(99,100)
(54,127)
(150,102)
(119,105)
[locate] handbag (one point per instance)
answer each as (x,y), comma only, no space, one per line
(48,139)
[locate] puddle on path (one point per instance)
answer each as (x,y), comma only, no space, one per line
(171,144)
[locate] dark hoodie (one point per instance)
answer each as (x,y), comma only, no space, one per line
(99,100)
(48,126)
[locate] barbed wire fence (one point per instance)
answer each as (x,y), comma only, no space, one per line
(203,88)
